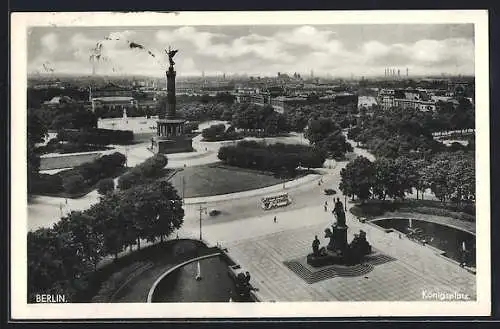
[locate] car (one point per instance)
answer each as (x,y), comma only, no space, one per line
(330,191)
(214,212)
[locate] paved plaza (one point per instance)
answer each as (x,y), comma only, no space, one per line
(261,246)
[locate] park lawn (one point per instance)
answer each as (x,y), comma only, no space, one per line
(209,180)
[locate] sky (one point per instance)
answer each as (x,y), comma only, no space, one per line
(337,50)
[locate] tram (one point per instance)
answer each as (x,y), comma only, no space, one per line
(271,202)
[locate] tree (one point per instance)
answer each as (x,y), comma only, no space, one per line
(74,183)
(155,209)
(54,263)
(113,223)
(105,186)
(85,238)
(357,178)
(129,179)
(319,129)
(335,145)
(36,128)
(37,131)
(436,174)
(384,179)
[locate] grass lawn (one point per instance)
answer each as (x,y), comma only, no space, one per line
(220,179)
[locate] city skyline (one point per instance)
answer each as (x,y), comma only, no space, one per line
(336,50)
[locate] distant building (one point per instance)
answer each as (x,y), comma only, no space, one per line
(406,98)
(57,101)
(112,90)
(281,103)
(386,98)
(420,105)
(366,101)
(114,102)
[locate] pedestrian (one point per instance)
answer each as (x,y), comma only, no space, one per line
(275,219)
(326,208)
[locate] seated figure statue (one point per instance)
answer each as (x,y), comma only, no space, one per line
(329,233)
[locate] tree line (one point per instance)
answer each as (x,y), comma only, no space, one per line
(61,259)
(259,120)
(409,132)
(449,176)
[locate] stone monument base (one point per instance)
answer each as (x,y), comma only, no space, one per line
(312,274)
(174,144)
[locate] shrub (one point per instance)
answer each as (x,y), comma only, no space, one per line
(105,186)
(441,212)
(96,136)
(129,180)
(190,126)
(46,183)
(74,183)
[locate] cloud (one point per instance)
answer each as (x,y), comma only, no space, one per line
(262,51)
(50,43)
(424,53)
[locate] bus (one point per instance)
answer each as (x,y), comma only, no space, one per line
(271,202)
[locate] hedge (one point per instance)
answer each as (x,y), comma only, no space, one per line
(140,174)
(96,136)
(79,178)
(374,208)
(277,157)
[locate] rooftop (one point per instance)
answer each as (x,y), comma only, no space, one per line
(114,99)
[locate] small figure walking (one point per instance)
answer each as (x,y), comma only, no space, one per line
(326,206)
(275,219)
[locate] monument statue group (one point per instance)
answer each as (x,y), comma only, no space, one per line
(338,251)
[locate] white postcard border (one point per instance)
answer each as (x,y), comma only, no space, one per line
(20,309)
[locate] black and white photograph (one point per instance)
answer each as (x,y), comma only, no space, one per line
(250,164)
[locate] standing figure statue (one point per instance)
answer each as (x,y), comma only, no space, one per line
(315,246)
(339,212)
(171,53)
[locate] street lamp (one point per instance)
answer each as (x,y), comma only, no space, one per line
(126,157)
(183,188)
(201,209)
